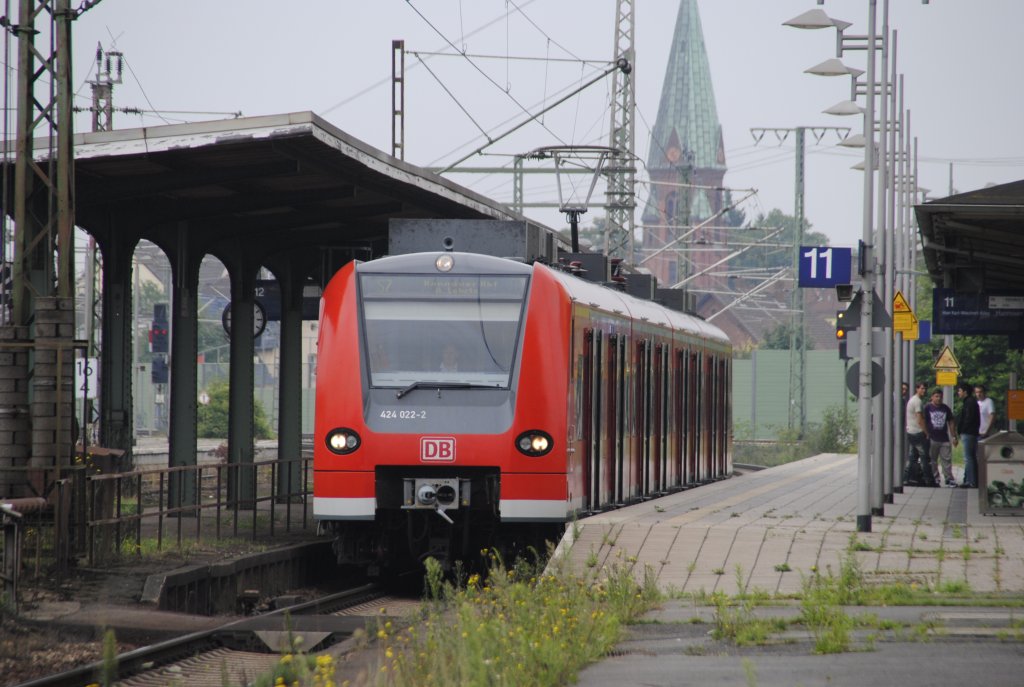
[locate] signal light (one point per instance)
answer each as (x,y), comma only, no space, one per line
(158,338)
(840,325)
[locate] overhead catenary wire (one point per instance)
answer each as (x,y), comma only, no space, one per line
(377,84)
(454,99)
(533,117)
(488,78)
(514,58)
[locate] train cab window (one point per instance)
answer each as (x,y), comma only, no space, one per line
(453,329)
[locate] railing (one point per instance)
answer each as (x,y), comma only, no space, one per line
(105,516)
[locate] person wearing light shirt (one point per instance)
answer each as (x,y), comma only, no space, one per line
(987,409)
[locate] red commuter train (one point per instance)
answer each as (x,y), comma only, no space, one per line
(463,400)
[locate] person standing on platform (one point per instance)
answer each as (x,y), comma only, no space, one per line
(986,408)
(938,421)
(917,441)
(968,424)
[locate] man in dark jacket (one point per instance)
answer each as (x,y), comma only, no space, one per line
(968,424)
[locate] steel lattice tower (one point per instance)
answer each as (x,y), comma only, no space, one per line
(620,199)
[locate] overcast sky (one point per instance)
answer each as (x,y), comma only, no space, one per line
(961,58)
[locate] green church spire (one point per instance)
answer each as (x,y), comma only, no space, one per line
(686,130)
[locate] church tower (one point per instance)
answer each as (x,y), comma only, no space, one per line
(686,156)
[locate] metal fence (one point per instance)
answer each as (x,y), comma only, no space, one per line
(101,516)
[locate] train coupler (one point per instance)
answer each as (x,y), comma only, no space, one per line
(437,494)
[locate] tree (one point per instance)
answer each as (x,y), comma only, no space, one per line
(778,251)
(213,417)
(777,338)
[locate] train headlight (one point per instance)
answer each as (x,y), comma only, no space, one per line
(342,440)
(444,263)
(534,443)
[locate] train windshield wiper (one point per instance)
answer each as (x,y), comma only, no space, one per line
(444,385)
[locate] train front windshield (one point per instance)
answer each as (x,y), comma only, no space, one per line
(459,329)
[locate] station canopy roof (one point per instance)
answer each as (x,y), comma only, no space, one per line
(976,238)
(273,182)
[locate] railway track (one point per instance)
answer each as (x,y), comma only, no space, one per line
(242,649)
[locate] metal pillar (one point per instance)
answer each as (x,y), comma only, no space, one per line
(882,403)
(398,99)
(620,200)
(797,338)
(182,429)
(43,193)
(109,69)
(517,184)
(864,462)
(241,485)
(116,416)
(289,422)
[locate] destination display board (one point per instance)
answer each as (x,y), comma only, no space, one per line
(445,287)
(977,313)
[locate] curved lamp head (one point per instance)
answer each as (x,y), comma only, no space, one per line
(811,19)
(830,67)
(854,141)
(844,107)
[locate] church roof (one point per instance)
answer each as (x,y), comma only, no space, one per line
(687,123)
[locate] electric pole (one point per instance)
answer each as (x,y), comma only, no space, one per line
(620,199)
(797,333)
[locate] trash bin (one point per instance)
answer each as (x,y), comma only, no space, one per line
(1001,474)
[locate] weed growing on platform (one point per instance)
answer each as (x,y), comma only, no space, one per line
(858,545)
(822,605)
(735,619)
(953,587)
(515,622)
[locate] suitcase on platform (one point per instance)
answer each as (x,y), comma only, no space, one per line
(914,476)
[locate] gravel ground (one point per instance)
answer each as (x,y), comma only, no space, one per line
(33,649)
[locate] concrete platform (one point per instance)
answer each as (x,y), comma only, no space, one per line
(763,529)
(769,529)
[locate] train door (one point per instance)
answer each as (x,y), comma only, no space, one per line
(636,461)
(644,410)
(723,416)
(707,412)
(678,417)
(592,418)
(587,419)
(619,351)
(653,411)
(663,418)
(713,417)
(608,420)
(694,413)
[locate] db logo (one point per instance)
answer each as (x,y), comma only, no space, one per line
(437,449)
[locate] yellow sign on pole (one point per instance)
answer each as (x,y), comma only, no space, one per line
(947,361)
(900,304)
(914,334)
(903,321)
(945,378)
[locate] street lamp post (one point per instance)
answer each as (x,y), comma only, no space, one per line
(815,19)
